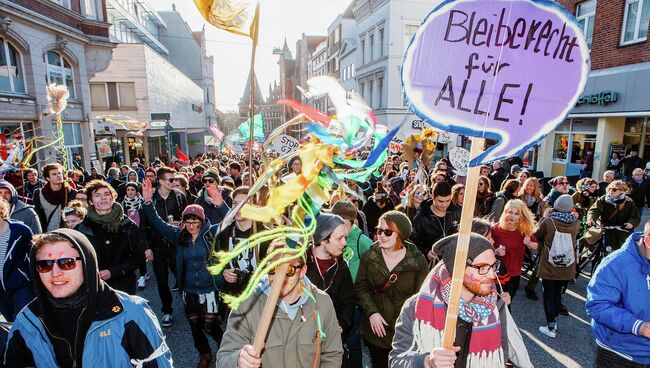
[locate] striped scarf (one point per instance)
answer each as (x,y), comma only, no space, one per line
(431,308)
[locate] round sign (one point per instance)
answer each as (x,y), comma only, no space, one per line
(285,144)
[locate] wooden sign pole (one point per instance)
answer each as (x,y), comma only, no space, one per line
(269,308)
(464,232)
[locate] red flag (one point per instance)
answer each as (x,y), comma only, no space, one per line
(181,156)
(310,112)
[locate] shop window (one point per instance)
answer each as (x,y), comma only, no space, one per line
(585,13)
(581,145)
(59,71)
(12,77)
(635,21)
(584,125)
(633,125)
(560,147)
(632,142)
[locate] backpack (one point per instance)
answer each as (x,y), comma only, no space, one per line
(561,254)
(486,208)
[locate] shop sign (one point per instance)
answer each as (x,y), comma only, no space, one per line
(603,98)
(417,124)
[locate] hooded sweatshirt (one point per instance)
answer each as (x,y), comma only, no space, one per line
(20,211)
(618,304)
(96,326)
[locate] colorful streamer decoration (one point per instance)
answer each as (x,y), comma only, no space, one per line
(329,156)
(57,99)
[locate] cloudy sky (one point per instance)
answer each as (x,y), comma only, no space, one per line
(278,19)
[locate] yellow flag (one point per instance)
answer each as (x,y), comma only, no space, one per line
(235,16)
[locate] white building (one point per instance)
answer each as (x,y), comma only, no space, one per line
(142,79)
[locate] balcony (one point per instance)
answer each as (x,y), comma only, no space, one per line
(130,21)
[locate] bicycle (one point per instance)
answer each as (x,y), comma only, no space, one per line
(584,256)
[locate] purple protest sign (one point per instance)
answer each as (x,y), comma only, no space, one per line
(508,70)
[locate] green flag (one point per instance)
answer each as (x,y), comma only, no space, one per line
(258,127)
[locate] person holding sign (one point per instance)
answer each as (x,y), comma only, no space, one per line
(481,334)
(304,331)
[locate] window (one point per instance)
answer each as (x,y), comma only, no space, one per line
(380,87)
(381,42)
(370,97)
(560,147)
(585,13)
(362,89)
(363,52)
(409,31)
(89,9)
(59,71)
(73,142)
(112,96)
(372,47)
(12,78)
(635,21)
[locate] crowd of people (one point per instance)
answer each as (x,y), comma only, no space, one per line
(74,248)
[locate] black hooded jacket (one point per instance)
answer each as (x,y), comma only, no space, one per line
(100,302)
(429,228)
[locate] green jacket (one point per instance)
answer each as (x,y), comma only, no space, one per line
(373,274)
(359,243)
(289,343)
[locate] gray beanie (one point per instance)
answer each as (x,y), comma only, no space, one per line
(515,169)
(563,203)
(326,223)
(446,248)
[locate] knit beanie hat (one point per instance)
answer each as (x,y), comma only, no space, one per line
(515,169)
(346,210)
(133,184)
(563,203)
(150,170)
(326,223)
(211,173)
(401,221)
(446,248)
(194,210)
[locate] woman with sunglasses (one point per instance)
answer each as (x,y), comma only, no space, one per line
(192,239)
(416,194)
(560,186)
(390,272)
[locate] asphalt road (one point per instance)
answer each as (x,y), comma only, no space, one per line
(573,347)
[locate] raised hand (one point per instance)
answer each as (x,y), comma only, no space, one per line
(147,190)
(215,194)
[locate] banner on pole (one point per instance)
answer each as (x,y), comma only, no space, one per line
(258,127)
(508,70)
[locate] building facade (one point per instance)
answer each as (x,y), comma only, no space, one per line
(158,67)
(44,42)
(613,113)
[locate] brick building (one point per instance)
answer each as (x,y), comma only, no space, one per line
(613,113)
(51,41)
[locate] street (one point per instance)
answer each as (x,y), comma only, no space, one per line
(573,347)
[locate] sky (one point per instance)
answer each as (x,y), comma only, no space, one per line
(278,19)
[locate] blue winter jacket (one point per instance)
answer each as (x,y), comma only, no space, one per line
(618,301)
(103,343)
(15,273)
(192,259)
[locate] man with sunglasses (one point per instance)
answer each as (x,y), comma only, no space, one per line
(303,333)
(169,204)
(76,318)
(217,208)
(481,334)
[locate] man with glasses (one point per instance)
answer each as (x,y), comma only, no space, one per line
(169,204)
(76,318)
(117,240)
(150,174)
(303,333)
(215,210)
(481,335)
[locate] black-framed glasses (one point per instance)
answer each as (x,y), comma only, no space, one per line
(485,269)
(65,264)
(190,222)
(208,181)
(387,232)
(291,271)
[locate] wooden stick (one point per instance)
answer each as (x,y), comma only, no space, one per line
(464,232)
(269,307)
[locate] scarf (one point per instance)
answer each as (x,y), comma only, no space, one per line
(485,348)
(132,204)
(529,199)
(111,222)
(615,200)
(55,198)
(564,217)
